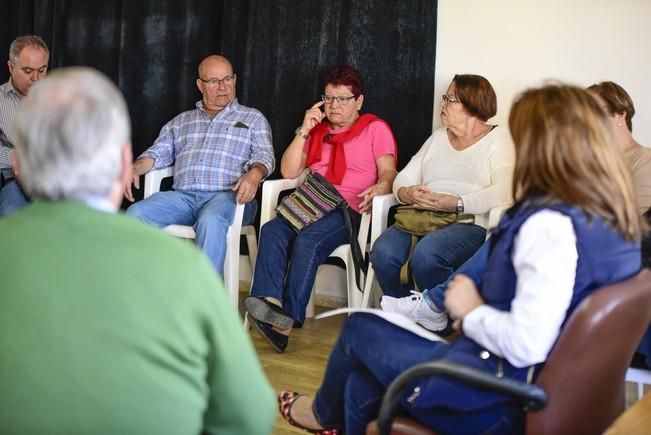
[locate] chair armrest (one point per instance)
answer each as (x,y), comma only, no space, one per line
(380,217)
(532,396)
(495,214)
(271,190)
(153,179)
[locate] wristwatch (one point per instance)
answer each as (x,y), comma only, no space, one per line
(459,205)
(299,132)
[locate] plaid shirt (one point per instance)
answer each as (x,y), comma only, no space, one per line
(211,155)
(9,100)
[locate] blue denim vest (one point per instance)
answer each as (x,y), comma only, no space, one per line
(603,258)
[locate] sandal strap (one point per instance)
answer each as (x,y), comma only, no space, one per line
(286,400)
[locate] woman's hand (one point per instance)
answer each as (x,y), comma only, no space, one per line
(413,195)
(313,116)
(421,196)
(442,201)
(461,297)
(386,168)
(367,195)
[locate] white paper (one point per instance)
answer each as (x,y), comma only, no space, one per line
(395,318)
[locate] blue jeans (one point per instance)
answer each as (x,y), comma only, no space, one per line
(369,354)
(12,198)
(287,262)
(474,268)
(209,213)
(435,256)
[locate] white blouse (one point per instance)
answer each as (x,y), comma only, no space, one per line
(544,259)
(481,174)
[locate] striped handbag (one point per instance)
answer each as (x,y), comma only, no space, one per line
(309,202)
(312,200)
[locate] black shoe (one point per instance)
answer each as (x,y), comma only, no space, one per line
(264,311)
(276,339)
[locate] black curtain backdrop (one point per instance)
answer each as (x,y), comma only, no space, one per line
(279,48)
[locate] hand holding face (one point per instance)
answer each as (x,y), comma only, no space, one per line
(313,116)
(461,297)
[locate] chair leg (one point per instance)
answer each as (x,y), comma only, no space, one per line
(355,296)
(309,310)
(369,287)
(252,244)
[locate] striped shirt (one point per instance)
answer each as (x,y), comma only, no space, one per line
(9,100)
(212,154)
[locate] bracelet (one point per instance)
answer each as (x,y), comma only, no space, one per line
(299,132)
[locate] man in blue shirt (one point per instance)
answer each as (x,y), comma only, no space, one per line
(221,151)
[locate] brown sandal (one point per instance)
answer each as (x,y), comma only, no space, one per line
(286,399)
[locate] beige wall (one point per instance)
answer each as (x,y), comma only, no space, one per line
(521,43)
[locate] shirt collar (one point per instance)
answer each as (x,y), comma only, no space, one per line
(8,89)
(229,107)
(98,203)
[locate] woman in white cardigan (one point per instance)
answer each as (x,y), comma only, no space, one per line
(466,167)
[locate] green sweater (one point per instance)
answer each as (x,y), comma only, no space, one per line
(108,326)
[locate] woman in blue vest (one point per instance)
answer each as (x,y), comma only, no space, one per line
(574,228)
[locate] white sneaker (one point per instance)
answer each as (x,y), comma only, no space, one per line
(415,308)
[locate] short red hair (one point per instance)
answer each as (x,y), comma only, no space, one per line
(345,75)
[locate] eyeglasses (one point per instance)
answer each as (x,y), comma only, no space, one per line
(228,80)
(328,99)
(448,99)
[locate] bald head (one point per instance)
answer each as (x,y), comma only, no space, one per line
(214,61)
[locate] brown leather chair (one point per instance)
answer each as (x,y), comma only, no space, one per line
(581,387)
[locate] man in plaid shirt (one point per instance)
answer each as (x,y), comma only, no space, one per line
(221,151)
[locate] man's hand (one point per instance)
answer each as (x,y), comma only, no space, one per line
(247,186)
(139,167)
(461,297)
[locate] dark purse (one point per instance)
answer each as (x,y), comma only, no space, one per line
(313,200)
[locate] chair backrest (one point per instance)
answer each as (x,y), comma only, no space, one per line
(584,374)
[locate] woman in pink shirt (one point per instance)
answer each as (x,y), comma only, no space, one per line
(357,154)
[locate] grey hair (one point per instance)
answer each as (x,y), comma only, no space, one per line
(19,44)
(69,133)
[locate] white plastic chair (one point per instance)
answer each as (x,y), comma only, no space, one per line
(153,181)
(379,223)
(640,377)
(271,190)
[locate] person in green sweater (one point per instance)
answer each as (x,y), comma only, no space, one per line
(109,326)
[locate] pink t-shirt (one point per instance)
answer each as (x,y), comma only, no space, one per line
(362,153)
